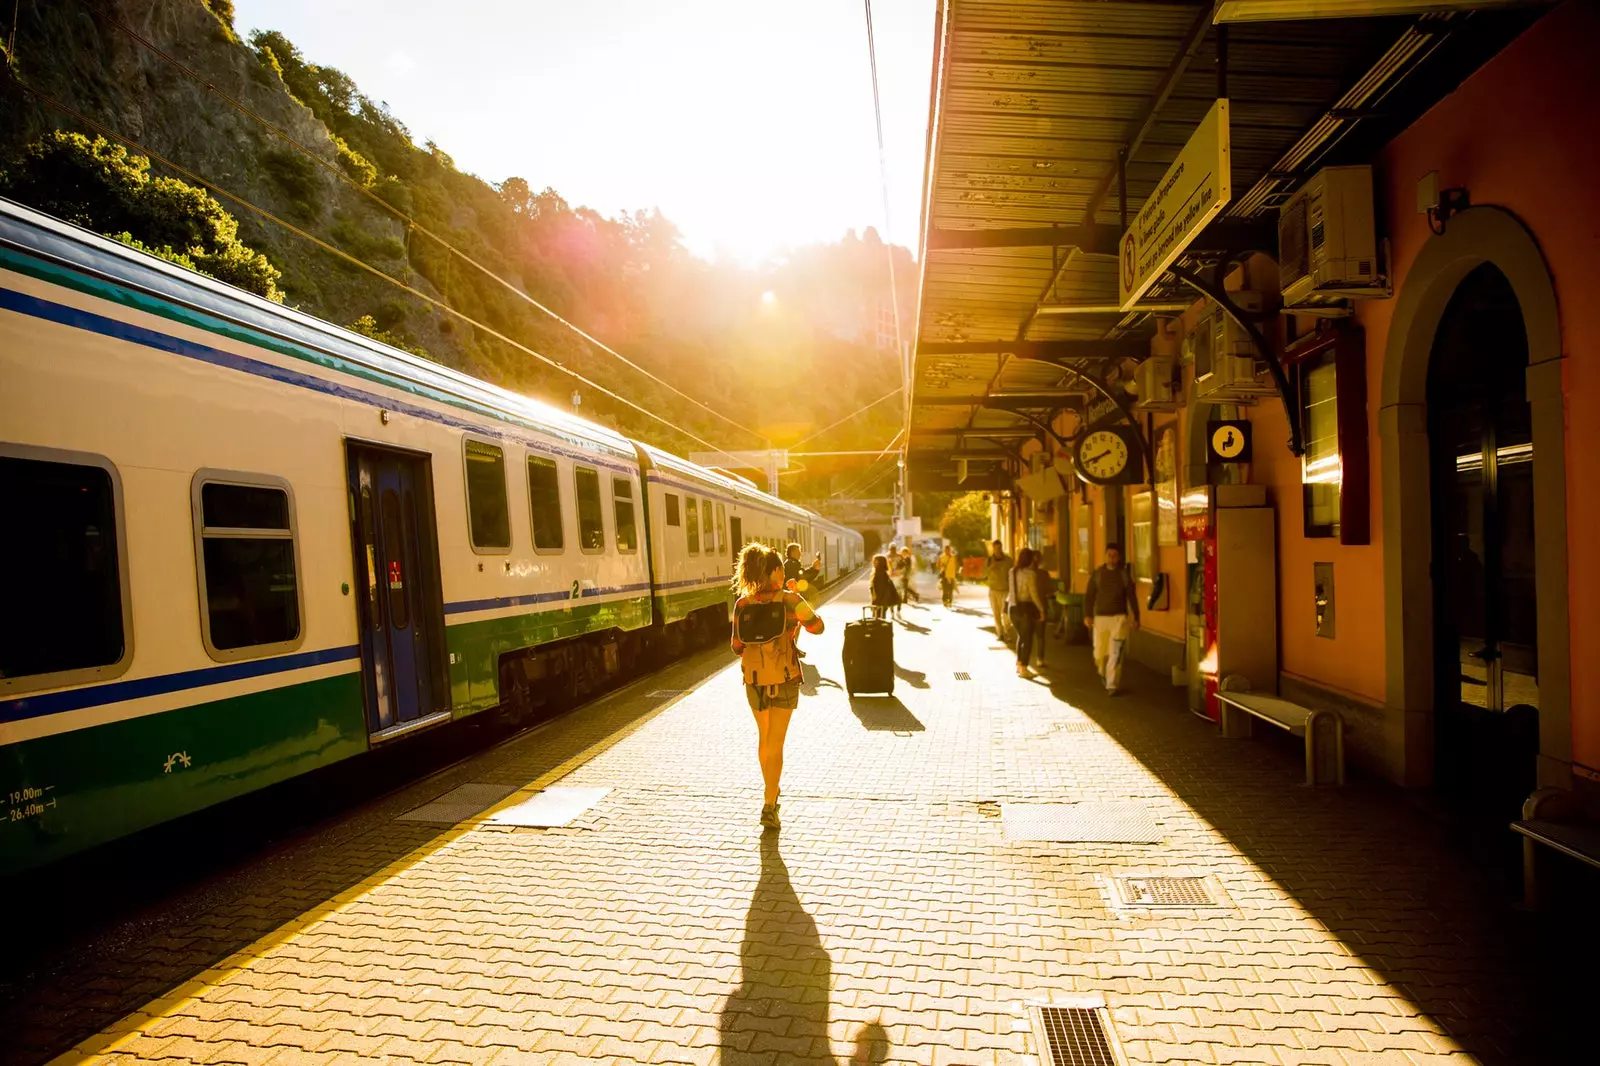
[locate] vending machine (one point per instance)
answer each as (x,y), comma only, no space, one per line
(1233,591)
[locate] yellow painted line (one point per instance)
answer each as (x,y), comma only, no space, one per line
(113,1037)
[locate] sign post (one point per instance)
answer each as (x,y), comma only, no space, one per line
(1194,189)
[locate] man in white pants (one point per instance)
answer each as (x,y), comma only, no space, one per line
(1111,610)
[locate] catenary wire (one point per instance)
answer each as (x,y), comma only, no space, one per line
(325,246)
(883,179)
(859,410)
(337,172)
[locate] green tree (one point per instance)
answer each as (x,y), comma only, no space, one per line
(966,523)
(100,186)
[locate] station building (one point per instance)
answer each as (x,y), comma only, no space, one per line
(1361,399)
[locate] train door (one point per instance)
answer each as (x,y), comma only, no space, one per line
(736,536)
(400,609)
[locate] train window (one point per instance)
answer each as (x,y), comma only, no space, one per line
(622,511)
(64,614)
(708,527)
(591,522)
(247,565)
(722,531)
(691,508)
(672,510)
(735,531)
(394,549)
(544,504)
(488,515)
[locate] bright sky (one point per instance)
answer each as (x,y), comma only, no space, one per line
(747,122)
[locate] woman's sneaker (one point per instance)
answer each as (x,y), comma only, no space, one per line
(769,816)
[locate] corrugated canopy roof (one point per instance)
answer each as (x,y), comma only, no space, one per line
(1033,100)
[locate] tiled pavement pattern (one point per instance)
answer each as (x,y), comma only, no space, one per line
(889,921)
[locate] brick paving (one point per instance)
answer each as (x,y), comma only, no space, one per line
(889,921)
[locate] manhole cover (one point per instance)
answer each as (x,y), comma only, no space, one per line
(550,809)
(1102,823)
(1075,1035)
(460,802)
(1139,891)
(962,675)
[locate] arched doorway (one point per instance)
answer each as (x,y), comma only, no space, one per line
(1481,464)
(1422,319)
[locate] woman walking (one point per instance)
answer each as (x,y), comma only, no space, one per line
(949,573)
(1027,607)
(884,596)
(765,618)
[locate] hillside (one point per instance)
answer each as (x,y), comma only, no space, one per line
(299,147)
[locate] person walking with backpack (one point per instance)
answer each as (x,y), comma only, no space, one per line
(765,617)
(1111,611)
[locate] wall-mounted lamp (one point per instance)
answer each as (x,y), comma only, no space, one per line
(1439,204)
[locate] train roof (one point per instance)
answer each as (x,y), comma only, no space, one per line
(82,252)
(45,238)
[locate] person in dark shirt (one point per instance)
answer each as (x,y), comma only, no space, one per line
(1111,611)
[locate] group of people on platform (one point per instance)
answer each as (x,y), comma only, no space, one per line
(1019,596)
(770,612)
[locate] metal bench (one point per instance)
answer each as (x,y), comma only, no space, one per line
(1550,818)
(1323,730)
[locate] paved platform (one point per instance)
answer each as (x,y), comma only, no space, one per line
(891,920)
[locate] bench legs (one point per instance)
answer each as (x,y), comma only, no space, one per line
(1233,722)
(1324,748)
(1530,875)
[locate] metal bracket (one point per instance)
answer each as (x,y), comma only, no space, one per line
(1212,289)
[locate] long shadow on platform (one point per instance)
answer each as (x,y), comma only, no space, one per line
(885,714)
(1426,901)
(779,1012)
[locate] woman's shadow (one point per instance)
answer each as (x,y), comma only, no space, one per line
(779,1012)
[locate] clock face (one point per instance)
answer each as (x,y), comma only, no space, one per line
(1102,455)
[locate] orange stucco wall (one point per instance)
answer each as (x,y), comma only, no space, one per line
(1521,134)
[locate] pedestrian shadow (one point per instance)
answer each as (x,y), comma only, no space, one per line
(914,678)
(914,627)
(871,1045)
(779,1012)
(885,714)
(811,680)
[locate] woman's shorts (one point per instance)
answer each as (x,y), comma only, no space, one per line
(767,697)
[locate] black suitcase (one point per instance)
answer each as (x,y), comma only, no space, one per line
(869,655)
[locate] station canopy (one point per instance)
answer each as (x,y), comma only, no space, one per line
(1033,105)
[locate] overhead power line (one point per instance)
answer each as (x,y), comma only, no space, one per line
(339,173)
(834,425)
(325,246)
(888,240)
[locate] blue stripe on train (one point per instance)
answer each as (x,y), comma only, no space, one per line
(119,691)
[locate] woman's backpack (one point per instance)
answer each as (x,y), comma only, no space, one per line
(763,627)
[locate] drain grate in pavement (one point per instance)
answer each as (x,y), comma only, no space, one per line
(962,675)
(460,802)
(1110,822)
(1164,892)
(1074,1035)
(550,809)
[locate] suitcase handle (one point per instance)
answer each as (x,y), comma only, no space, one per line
(866,614)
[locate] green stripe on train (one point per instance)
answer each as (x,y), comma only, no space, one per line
(476,647)
(676,606)
(73,790)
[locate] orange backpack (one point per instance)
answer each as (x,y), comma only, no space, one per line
(772,661)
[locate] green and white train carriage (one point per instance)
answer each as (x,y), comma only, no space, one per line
(241,543)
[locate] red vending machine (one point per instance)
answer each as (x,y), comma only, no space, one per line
(1233,592)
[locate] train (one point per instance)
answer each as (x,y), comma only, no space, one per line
(241,544)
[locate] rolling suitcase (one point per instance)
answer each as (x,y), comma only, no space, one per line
(869,655)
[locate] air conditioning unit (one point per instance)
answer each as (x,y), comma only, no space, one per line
(1154,380)
(1227,366)
(1327,244)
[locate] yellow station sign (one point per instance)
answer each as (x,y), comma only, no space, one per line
(1197,186)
